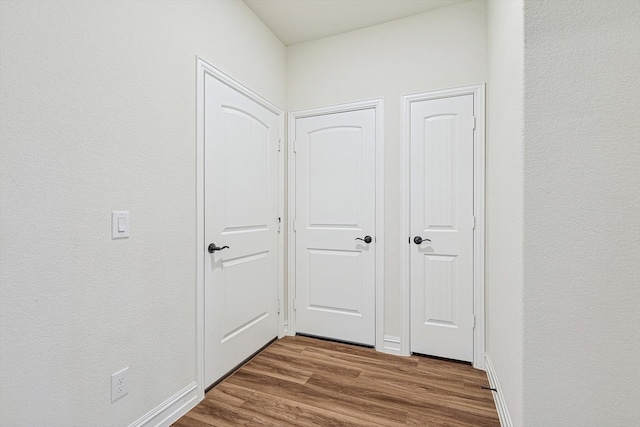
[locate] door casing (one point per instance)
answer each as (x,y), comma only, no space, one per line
(378,105)
(478,92)
(203,68)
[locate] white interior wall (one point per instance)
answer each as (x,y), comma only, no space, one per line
(97,113)
(504,203)
(434,50)
(581,213)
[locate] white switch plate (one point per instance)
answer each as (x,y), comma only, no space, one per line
(119,224)
(119,384)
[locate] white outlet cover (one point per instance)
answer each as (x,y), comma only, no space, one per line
(119,384)
(119,224)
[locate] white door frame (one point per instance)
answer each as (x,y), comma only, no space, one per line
(378,105)
(477,91)
(203,68)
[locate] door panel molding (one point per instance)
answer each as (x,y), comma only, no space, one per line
(204,69)
(378,105)
(478,92)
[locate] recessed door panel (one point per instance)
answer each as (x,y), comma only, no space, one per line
(335,205)
(335,181)
(439,166)
(245,175)
(246,299)
(439,290)
(335,281)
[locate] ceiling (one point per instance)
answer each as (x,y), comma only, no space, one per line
(297,21)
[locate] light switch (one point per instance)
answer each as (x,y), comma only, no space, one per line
(119,224)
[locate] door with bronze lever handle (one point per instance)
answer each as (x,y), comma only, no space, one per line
(367,239)
(212,248)
(418,240)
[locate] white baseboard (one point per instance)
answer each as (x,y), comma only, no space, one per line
(392,345)
(171,409)
(501,405)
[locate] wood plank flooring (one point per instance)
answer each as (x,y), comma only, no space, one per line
(299,381)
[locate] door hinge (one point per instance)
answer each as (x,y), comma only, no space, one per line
(474,222)
(474,123)
(279,144)
(294,305)
(473,322)
(294,225)
(279,223)
(278,306)
(295,146)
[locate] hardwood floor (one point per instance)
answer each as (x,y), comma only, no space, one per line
(299,381)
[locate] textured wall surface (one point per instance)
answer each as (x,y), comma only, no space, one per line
(504,157)
(582,213)
(97,113)
(435,50)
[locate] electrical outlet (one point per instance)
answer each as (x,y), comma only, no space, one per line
(119,384)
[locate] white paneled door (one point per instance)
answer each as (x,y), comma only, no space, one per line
(241,227)
(442,223)
(335,190)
